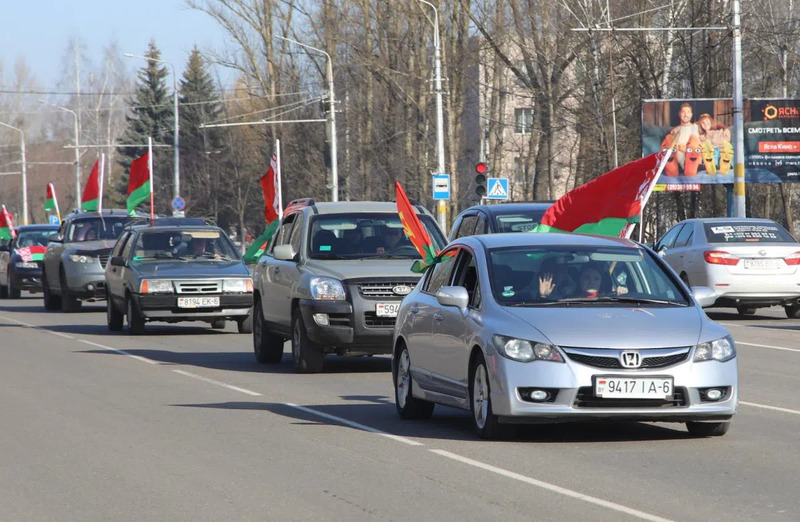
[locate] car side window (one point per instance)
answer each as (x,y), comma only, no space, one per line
(284,232)
(441,272)
(467,226)
(454,229)
(466,275)
(297,234)
(481,226)
(126,250)
(120,244)
(684,236)
(669,238)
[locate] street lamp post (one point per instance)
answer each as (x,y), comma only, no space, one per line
(332,102)
(77,151)
(24,173)
(175,140)
(738,118)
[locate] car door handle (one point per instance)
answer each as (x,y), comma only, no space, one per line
(438,316)
(277,270)
(414,309)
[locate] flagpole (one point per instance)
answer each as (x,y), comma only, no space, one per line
(278,175)
(55,201)
(102,168)
(150,172)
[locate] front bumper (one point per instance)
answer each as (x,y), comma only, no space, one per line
(86,280)
(574,398)
(29,279)
(751,289)
(165,308)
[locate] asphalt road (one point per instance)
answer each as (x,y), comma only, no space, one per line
(183,424)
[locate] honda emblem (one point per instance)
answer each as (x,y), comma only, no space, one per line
(630,359)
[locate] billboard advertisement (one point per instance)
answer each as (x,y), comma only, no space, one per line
(700,133)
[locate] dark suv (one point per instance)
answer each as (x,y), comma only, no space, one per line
(498,219)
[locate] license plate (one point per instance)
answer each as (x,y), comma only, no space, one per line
(387,309)
(760,263)
(198,302)
(633,387)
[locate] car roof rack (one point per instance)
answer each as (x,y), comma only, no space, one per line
(297,204)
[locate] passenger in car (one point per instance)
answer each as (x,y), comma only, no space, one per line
(595,281)
(553,281)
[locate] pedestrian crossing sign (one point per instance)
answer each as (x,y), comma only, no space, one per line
(497,188)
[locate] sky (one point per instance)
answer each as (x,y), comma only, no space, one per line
(40,30)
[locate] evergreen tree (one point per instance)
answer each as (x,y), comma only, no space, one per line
(150,115)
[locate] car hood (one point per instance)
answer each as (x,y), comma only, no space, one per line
(615,327)
(192,269)
(87,247)
(361,268)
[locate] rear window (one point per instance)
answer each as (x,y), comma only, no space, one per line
(747,233)
(519,221)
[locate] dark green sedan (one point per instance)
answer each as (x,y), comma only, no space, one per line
(177,272)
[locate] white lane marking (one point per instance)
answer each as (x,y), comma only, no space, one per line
(123,352)
(17,321)
(773,408)
(65,336)
(550,487)
(353,424)
(782,348)
(218,383)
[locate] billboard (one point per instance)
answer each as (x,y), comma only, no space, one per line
(700,133)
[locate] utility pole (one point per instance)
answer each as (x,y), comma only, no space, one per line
(77,151)
(738,118)
(24,173)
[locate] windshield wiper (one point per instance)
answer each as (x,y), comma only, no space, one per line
(385,256)
(620,299)
(327,256)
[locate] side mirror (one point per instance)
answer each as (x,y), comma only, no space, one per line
(704,296)
(453,296)
(283,253)
(54,238)
(117,261)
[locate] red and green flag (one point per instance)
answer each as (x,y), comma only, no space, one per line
(6,224)
(50,203)
(270,186)
(139,183)
(91,201)
(609,205)
(32,253)
(414,229)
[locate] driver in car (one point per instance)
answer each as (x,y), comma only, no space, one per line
(392,239)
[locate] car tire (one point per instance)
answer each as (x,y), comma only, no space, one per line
(708,429)
(268,348)
(135,318)
(4,290)
(792,311)
(745,310)
(307,356)
(69,303)
(114,317)
(51,302)
(13,291)
(485,421)
(245,325)
(218,324)
(408,406)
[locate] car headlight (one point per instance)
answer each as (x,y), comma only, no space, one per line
(327,289)
(25,264)
(237,285)
(79,258)
(155,286)
(720,350)
(525,351)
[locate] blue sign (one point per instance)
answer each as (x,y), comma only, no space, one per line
(54,220)
(178,203)
(497,188)
(441,186)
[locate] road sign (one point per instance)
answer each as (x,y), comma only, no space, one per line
(497,188)
(441,186)
(54,219)
(178,203)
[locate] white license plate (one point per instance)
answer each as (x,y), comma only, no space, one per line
(387,309)
(760,263)
(198,302)
(633,387)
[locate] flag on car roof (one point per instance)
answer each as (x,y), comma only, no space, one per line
(93,191)
(6,224)
(609,205)
(270,186)
(414,229)
(50,203)
(138,183)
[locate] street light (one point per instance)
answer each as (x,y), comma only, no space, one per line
(24,174)
(77,151)
(332,101)
(175,140)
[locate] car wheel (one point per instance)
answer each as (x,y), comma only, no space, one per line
(4,289)
(708,429)
(245,325)
(792,311)
(268,348)
(135,319)
(114,317)
(308,357)
(13,291)
(485,422)
(218,324)
(51,302)
(745,310)
(408,406)
(69,303)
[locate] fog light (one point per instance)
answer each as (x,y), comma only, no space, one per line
(539,395)
(321,319)
(90,287)
(714,394)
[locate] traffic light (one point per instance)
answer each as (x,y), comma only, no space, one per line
(480,178)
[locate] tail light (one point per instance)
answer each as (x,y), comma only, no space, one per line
(792,259)
(720,257)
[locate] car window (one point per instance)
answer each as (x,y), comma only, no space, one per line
(518,221)
(466,275)
(297,233)
(183,245)
(120,244)
(467,226)
(126,250)
(738,232)
(669,238)
(284,232)
(482,225)
(32,238)
(441,272)
(94,228)
(684,237)
(455,227)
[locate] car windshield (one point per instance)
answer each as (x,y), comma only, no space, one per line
(186,245)
(523,221)
(562,276)
(93,228)
(33,238)
(368,235)
(738,232)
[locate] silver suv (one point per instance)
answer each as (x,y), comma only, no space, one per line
(332,281)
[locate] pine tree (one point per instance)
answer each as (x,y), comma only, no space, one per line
(202,150)
(150,115)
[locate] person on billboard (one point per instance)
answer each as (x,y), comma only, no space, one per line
(714,138)
(683,132)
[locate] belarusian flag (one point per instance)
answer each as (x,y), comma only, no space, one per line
(610,204)
(414,229)
(32,253)
(139,183)
(269,185)
(6,225)
(50,203)
(258,247)
(92,192)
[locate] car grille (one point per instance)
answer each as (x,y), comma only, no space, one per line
(198,287)
(372,320)
(586,399)
(103,259)
(382,289)
(339,319)
(608,358)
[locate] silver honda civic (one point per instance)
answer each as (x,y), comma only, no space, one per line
(531,328)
